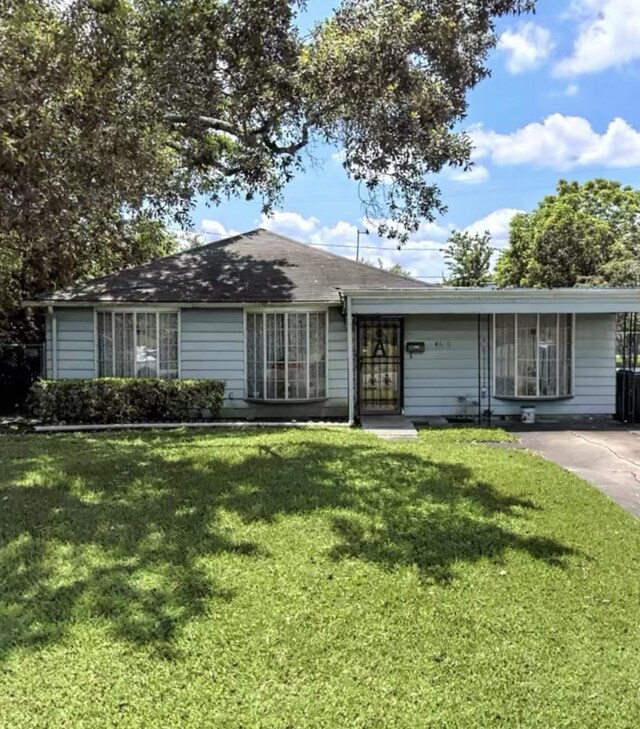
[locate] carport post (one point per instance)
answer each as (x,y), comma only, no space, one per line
(54,343)
(350,370)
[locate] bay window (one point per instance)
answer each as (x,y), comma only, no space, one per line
(138,344)
(286,355)
(533,355)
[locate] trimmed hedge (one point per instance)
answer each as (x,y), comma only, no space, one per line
(120,400)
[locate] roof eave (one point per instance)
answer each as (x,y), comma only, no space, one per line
(119,303)
(444,292)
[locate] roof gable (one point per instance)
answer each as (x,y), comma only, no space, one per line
(255,267)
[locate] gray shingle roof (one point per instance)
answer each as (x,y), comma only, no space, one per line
(254,267)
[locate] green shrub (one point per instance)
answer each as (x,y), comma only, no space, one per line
(115,400)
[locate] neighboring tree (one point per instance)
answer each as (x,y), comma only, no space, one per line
(117,110)
(468,259)
(585,234)
(393,268)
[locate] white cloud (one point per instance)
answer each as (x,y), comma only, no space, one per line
(188,239)
(216,229)
(497,223)
(422,255)
(607,36)
(428,229)
(571,90)
(526,48)
(560,143)
(474,176)
(288,223)
(209,231)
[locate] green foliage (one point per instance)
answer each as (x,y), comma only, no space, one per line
(393,268)
(468,259)
(121,400)
(85,178)
(117,111)
(585,234)
(310,579)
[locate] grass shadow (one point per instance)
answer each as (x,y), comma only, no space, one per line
(128,528)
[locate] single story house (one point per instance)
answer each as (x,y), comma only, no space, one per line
(297,332)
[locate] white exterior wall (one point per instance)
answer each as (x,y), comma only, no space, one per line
(448,370)
(75,347)
(212,347)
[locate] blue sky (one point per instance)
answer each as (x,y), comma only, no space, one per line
(563,101)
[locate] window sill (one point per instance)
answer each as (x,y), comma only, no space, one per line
(302,401)
(532,398)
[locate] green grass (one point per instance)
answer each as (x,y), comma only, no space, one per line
(310,579)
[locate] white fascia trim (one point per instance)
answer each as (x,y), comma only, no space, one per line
(494,294)
(504,300)
(110,304)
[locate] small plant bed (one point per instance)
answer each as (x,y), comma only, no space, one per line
(310,578)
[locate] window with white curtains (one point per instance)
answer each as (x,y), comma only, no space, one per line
(533,355)
(138,344)
(286,355)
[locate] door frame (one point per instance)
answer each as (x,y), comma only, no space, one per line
(359,320)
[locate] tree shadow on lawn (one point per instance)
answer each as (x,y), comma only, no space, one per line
(121,529)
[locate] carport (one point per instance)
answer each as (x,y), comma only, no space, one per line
(484,354)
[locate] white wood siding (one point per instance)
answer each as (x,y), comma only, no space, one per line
(212,347)
(435,380)
(337,363)
(76,354)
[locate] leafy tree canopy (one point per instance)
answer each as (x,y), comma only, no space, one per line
(114,113)
(585,234)
(468,258)
(393,268)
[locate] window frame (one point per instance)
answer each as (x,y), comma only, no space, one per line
(136,310)
(288,310)
(537,397)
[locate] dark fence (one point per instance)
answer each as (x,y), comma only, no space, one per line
(628,375)
(20,365)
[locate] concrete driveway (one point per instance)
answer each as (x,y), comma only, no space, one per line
(608,457)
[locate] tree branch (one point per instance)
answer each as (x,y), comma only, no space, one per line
(249,136)
(289,148)
(209,121)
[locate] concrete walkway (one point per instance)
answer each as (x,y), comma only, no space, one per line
(389,427)
(607,457)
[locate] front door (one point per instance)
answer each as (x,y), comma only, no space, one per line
(379,360)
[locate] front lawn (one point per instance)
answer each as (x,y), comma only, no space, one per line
(319,578)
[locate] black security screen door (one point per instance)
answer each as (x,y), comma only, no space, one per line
(379,366)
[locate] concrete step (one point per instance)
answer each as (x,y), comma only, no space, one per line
(389,427)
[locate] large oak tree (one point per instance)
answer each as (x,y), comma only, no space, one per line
(116,114)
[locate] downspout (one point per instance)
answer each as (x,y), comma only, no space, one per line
(54,342)
(350,368)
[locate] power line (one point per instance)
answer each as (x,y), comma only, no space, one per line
(352,247)
(398,249)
